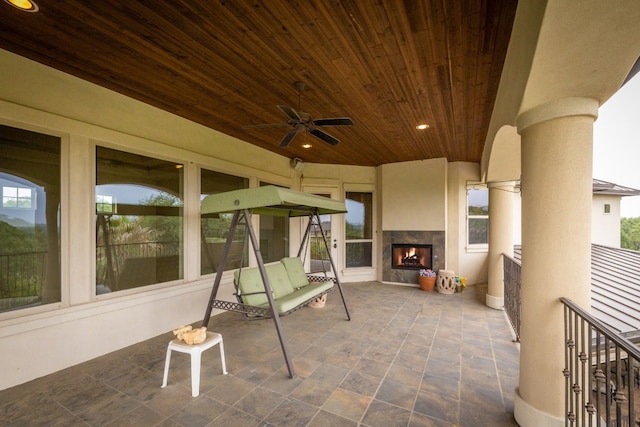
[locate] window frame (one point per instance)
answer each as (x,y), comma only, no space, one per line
(18,198)
(182,243)
(476,247)
(361,189)
(200,194)
(62,225)
(286,245)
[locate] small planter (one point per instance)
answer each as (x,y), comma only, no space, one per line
(426,283)
(318,302)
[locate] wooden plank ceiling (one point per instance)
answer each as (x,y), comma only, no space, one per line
(388,65)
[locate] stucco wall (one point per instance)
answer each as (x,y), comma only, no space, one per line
(605,227)
(414,195)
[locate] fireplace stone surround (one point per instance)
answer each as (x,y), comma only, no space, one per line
(434,238)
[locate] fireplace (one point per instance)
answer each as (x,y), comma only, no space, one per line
(411,256)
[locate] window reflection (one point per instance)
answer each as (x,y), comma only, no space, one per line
(274,236)
(29,219)
(139,220)
(215,227)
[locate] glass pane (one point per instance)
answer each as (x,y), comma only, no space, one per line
(359,254)
(215,228)
(319,257)
(274,236)
(478,231)
(478,202)
(359,215)
(29,219)
(139,220)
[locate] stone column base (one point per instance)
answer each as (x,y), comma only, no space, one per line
(528,416)
(495,302)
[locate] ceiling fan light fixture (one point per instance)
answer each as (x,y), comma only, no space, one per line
(422,126)
(24,5)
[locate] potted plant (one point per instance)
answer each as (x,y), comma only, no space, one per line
(426,279)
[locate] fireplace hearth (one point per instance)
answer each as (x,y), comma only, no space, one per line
(411,256)
(411,239)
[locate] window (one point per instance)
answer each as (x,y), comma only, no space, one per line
(477,217)
(215,228)
(104,204)
(274,236)
(606,208)
(139,220)
(29,231)
(359,229)
(17,197)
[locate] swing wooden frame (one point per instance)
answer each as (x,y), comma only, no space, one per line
(277,201)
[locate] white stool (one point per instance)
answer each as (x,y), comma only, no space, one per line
(195,351)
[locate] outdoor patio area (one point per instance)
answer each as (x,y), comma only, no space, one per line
(407,358)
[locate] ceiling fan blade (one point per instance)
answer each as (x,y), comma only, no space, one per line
(289,137)
(291,113)
(324,136)
(336,121)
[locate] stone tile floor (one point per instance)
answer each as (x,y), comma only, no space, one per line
(407,358)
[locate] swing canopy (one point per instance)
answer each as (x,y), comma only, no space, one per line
(271,200)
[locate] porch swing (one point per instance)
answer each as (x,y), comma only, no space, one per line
(279,288)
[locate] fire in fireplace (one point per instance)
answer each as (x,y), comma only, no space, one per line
(411,256)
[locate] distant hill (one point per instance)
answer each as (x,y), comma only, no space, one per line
(19,239)
(15,222)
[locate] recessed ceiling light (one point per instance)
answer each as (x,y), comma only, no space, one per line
(307,145)
(422,126)
(25,5)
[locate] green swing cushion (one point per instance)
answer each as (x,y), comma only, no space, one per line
(279,280)
(289,284)
(249,282)
(295,270)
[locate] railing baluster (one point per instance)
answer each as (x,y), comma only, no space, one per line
(511,270)
(606,361)
(584,348)
(568,402)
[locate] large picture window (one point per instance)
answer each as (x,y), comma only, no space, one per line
(359,229)
(29,219)
(274,236)
(139,220)
(478,216)
(215,227)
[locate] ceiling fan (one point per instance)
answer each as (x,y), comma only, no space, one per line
(303,122)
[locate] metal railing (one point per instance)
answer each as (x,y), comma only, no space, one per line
(108,271)
(512,285)
(601,372)
(22,277)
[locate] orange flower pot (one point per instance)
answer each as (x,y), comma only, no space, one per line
(426,283)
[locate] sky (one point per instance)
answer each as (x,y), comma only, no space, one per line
(616,143)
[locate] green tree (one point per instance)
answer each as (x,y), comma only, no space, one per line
(167,225)
(630,233)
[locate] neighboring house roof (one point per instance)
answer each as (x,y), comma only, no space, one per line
(615,287)
(608,188)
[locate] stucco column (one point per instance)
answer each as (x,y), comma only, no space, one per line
(500,238)
(557,141)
